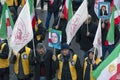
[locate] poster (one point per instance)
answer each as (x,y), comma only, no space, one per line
(54,38)
(104,10)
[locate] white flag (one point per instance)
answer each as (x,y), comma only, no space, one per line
(22,32)
(98,40)
(76,21)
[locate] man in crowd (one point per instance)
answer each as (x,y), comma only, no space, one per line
(23,63)
(53,8)
(105,46)
(68,64)
(90,63)
(86,34)
(43,65)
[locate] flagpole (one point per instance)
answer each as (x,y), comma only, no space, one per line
(34,47)
(54,51)
(87,26)
(94,53)
(9,49)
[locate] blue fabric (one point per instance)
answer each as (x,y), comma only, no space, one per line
(49,14)
(43,78)
(108,48)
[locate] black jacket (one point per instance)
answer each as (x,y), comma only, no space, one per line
(5,51)
(0,9)
(21,74)
(86,42)
(105,32)
(105,13)
(41,31)
(48,65)
(4,55)
(55,6)
(66,74)
(62,26)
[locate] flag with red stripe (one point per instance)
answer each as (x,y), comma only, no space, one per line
(109,69)
(68,11)
(116,4)
(7,23)
(32,13)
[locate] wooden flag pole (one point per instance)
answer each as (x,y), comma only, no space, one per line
(59,20)
(34,47)
(54,51)
(94,53)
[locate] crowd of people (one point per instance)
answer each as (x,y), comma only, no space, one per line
(43,63)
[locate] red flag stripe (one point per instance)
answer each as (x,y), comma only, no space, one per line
(65,11)
(117,20)
(115,75)
(7,22)
(33,21)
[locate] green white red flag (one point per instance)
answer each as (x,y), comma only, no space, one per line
(109,69)
(68,11)
(7,23)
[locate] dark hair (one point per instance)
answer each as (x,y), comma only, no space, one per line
(40,45)
(103,6)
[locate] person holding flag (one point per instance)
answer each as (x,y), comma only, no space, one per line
(90,63)
(86,34)
(23,63)
(106,46)
(68,64)
(43,66)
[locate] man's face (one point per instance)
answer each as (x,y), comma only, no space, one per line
(41,51)
(103,8)
(65,52)
(54,38)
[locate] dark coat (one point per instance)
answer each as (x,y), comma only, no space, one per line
(21,74)
(0,9)
(86,42)
(41,31)
(105,32)
(76,4)
(62,26)
(105,13)
(66,74)
(47,63)
(4,55)
(54,7)
(5,51)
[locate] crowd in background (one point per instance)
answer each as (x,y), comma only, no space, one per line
(44,65)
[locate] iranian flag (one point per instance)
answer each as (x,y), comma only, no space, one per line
(114,20)
(116,4)
(7,23)
(68,11)
(109,69)
(110,35)
(32,13)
